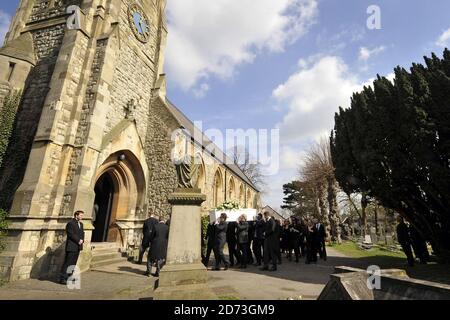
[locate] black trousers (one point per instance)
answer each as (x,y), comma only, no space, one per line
(311,252)
(321,246)
(302,247)
(243,253)
(219,256)
(209,249)
(296,250)
(270,253)
(408,252)
(257,249)
(142,250)
(158,264)
(249,253)
(70,260)
(278,250)
(233,253)
(421,251)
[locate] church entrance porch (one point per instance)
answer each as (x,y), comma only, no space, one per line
(119,197)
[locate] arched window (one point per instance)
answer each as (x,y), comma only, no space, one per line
(218,189)
(249,199)
(201,181)
(241,196)
(231,190)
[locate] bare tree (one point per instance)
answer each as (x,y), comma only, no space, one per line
(251,168)
(318,169)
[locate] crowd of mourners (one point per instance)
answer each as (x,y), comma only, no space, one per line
(263,242)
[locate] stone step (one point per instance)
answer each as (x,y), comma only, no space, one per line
(105,256)
(104,246)
(99,252)
(106,262)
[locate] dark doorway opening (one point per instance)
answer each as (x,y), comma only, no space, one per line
(104,194)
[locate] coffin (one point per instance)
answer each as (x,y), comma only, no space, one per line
(233,215)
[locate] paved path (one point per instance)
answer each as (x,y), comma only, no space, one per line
(127,281)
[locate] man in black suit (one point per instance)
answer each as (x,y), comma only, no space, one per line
(419,245)
(158,250)
(210,237)
(270,243)
(278,240)
(404,239)
(321,236)
(147,230)
(232,243)
(220,240)
(74,244)
(258,240)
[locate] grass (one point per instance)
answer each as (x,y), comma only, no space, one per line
(353,250)
(378,256)
(386,259)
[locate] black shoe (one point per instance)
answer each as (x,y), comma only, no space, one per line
(257,265)
(63,282)
(226,267)
(264,268)
(273,269)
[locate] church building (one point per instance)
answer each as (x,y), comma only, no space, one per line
(93,130)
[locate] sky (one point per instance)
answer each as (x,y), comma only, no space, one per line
(286,65)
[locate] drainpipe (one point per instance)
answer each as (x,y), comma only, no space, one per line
(226,187)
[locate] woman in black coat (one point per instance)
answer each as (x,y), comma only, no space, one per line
(311,243)
(242,240)
(285,243)
(158,247)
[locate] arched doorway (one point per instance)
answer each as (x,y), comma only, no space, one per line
(119,196)
(104,199)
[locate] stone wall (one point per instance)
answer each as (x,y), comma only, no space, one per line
(158,147)
(134,74)
(4,90)
(47,43)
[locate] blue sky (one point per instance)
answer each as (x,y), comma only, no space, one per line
(286,64)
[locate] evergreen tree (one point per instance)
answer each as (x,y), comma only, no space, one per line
(393,145)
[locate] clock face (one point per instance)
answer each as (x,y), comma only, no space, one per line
(139,22)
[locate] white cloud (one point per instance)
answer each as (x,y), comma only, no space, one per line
(201,90)
(365,53)
(312,95)
(444,39)
(5,20)
(291,157)
(211,38)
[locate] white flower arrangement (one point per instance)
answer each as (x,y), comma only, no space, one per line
(229,205)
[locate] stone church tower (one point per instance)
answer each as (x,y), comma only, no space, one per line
(92,131)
